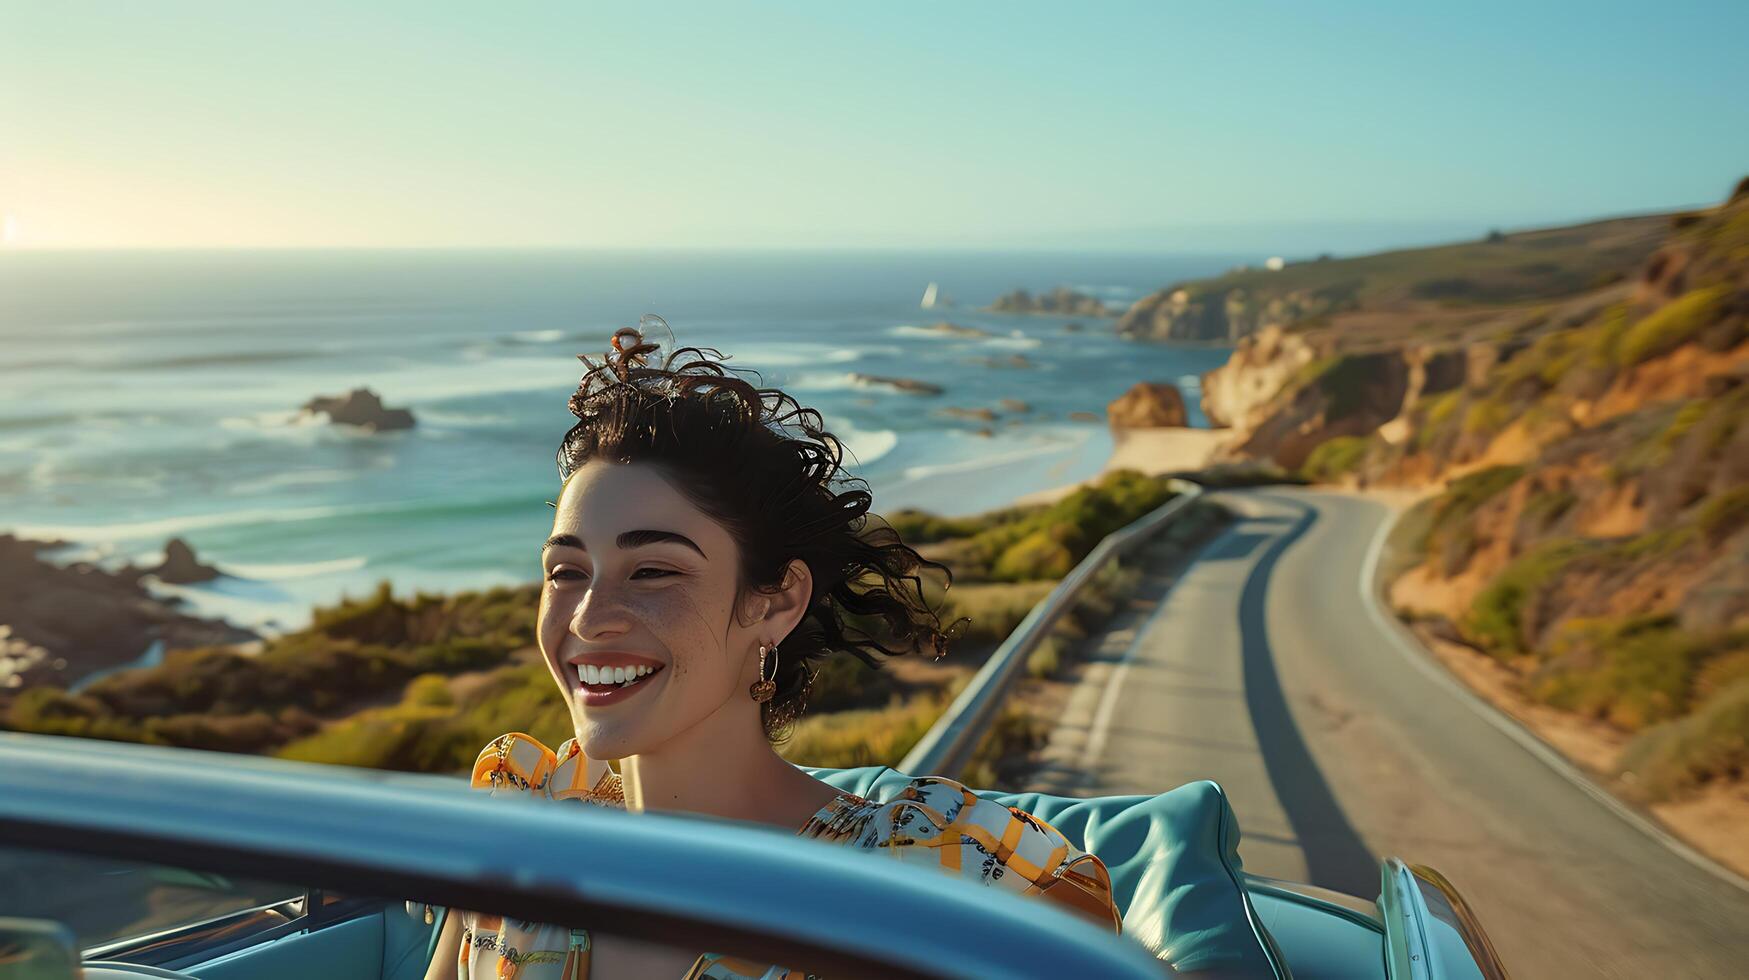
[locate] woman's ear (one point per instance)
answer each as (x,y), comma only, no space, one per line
(789,603)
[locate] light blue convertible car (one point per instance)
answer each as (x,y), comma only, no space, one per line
(128,861)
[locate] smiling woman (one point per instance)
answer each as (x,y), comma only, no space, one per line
(706,552)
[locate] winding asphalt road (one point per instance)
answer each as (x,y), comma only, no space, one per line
(1263,668)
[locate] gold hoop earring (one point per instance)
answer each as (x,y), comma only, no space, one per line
(763,688)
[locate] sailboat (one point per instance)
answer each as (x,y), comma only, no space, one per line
(929,297)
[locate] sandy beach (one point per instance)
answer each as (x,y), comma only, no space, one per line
(1152,451)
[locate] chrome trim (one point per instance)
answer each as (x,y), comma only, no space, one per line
(288,910)
(1412,898)
(700,883)
(1359,910)
(948,745)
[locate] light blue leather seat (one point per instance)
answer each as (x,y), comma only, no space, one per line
(1174,863)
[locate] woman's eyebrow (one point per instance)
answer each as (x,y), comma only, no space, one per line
(629,540)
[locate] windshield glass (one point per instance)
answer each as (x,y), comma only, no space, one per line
(105,901)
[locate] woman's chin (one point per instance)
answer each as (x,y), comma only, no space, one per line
(603,740)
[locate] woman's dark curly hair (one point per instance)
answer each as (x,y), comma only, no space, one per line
(763,467)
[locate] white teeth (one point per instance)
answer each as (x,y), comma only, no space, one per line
(621,676)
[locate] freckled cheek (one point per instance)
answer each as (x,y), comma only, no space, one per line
(680,623)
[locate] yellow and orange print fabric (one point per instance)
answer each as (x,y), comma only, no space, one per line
(932,821)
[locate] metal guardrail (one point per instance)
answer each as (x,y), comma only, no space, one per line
(948,746)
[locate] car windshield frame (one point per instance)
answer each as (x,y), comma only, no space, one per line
(659,877)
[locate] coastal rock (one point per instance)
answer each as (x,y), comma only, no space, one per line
(1258,368)
(1074,326)
(180,567)
(1147,405)
(77,619)
(1014,405)
(956,330)
(910,386)
(360,407)
(1016,361)
(1061,301)
(1083,417)
(974,414)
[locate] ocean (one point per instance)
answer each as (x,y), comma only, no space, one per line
(156,394)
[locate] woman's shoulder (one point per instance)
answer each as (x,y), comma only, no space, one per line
(938,821)
(518,762)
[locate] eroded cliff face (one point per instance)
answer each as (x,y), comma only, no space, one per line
(1590,455)
(1208,312)
(1523,267)
(1259,367)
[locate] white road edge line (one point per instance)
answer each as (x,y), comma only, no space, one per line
(1096,733)
(1410,647)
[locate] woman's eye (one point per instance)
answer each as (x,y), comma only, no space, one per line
(557,573)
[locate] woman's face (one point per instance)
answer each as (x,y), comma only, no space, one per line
(639,579)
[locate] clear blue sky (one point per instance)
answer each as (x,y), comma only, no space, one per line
(1133,125)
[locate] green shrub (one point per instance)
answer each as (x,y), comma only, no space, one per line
(1450,535)
(995,608)
(1041,554)
(1014,733)
(1497,615)
(1486,417)
(429,691)
(842,682)
(1336,457)
(417,736)
(1631,673)
(1672,325)
(1682,755)
(863,737)
(1046,543)
(922,527)
(1724,514)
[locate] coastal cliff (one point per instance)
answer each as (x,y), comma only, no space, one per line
(1585,445)
(1524,267)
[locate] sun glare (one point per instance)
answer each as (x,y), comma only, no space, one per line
(8,230)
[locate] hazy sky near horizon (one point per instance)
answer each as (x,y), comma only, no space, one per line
(1340,125)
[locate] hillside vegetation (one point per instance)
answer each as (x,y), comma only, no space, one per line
(420,683)
(1438,281)
(1593,449)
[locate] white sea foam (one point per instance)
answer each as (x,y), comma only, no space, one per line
(168,526)
(308,569)
(537,336)
(1054,445)
(862,446)
(824,381)
(1190,381)
(798,355)
(928,333)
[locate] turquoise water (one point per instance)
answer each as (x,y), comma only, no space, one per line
(156,394)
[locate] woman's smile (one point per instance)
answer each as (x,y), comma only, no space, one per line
(598,680)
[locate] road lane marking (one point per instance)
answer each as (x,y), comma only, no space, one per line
(1096,733)
(1409,646)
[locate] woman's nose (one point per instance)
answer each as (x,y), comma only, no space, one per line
(600,613)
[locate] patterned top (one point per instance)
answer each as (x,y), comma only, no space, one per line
(932,821)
